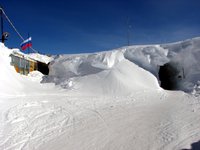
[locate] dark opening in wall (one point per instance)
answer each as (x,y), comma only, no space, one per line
(170,74)
(43,68)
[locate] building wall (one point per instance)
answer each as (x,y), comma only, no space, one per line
(23,65)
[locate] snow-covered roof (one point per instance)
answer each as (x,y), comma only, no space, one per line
(32,56)
(21,55)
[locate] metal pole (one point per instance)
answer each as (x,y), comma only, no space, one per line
(1,13)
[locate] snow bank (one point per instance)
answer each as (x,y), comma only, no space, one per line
(69,71)
(124,79)
(106,73)
(39,57)
(10,81)
(149,57)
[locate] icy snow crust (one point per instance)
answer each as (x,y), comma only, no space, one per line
(107,100)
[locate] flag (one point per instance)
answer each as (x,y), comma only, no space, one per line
(26,44)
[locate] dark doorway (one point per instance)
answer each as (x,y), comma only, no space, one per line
(195,146)
(43,68)
(169,76)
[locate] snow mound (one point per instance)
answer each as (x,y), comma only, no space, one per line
(68,66)
(104,73)
(36,76)
(123,79)
(69,70)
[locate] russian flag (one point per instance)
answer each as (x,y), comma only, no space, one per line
(26,44)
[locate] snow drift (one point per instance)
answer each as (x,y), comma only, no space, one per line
(121,71)
(106,73)
(118,68)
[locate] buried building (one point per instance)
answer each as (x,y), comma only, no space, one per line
(24,64)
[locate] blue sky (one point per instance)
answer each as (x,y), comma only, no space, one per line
(82,26)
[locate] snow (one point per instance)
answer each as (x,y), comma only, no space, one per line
(107,100)
(149,57)
(107,73)
(39,57)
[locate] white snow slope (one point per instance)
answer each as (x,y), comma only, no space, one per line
(104,101)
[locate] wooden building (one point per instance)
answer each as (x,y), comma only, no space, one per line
(24,64)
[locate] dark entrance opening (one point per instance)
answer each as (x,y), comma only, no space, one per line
(169,76)
(43,68)
(195,146)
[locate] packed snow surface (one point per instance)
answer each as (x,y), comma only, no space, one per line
(107,100)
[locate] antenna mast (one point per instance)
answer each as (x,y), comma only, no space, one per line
(128,31)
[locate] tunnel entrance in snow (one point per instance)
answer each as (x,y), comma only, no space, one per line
(43,68)
(170,76)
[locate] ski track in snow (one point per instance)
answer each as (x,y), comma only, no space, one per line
(151,119)
(33,121)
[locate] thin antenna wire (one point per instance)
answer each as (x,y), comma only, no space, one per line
(12,24)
